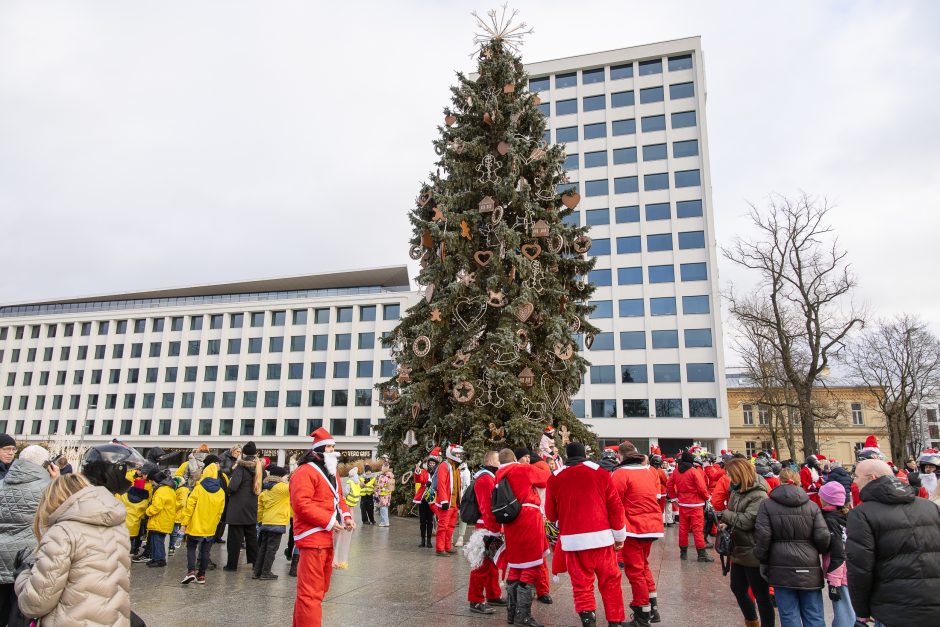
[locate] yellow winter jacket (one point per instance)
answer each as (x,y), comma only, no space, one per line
(162,511)
(274,505)
(135,502)
(204,505)
(182,494)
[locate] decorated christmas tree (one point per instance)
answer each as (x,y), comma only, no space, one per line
(490,354)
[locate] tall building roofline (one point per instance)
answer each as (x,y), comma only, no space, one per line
(634,52)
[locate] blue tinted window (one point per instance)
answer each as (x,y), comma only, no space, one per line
(627,214)
(693,272)
(573,219)
(681,90)
(387,368)
(658,211)
(592,76)
(703,408)
(698,338)
(577,407)
(631,307)
(685,149)
(628,245)
(595,188)
(599,277)
(633,374)
(624,155)
(566,107)
(695,305)
(603,342)
(594,131)
(653,123)
(700,373)
(547,136)
(662,274)
(600,247)
(629,276)
(624,127)
(632,340)
(596,216)
(669,407)
(545,108)
(688,178)
(622,99)
(691,239)
(602,374)
(563,188)
(689,208)
(655,181)
(571,162)
(654,152)
(592,103)
(636,408)
(604,408)
(665,339)
(595,159)
(666,373)
(318,370)
(538,84)
(651,67)
(602,308)
(683,62)
(626,185)
(658,242)
(621,71)
(651,94)
(663,306)
(566,134)
(683,119)
(566,80)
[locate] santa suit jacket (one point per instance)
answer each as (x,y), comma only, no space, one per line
(422,479)
(638,492)
(688,487)
(721,492)
(661,477)
(525,536)
(317,504)
(582,500)
(713,474)
(810,484)
(448,487)
(483,485)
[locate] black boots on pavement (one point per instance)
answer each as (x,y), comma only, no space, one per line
(703,556)
(588,619)
(293,566)
(641,618)
(511,587)
(683,552)
(654,613)
(525,594)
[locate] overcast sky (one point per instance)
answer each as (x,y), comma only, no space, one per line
(160,144)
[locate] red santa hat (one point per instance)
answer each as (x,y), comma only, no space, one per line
(548,430)
(820,457)
(724,451)
(321,438)
(435,453)
(670,460)
(871,442)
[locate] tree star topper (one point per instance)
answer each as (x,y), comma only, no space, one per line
(499,26)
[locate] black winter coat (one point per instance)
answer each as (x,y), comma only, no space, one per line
(835,521)
(242,508)
(840,475)
(893,554)
(789,535)
(741,516)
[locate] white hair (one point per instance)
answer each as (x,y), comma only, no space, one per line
(34,454)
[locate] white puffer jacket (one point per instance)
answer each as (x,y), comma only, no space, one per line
(82,570)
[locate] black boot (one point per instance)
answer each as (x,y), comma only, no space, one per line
(588,618)
(654,613)
(641,618)
(512,588)
(524,597)
(422,545)
(267,558)
(703,556)
(293,566)
(683,552)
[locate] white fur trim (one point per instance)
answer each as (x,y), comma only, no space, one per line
(589,540)
(591,465)
(645,535)
(537,562)
(324,443)
(691,504)
(621,534)
(632,467)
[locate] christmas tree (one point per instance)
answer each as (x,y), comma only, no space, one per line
(489,356)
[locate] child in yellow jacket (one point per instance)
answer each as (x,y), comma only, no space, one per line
(182,493)
(160,516)
(273,515)
(200,519)
(135,500)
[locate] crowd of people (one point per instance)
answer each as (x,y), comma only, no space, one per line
(869,539)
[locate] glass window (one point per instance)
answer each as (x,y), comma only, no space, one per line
(603,408)
(698,338)
(683,62)
(669,408)
(195,323)
(102,329)
(651,94)
(271,398)
(602,374)
(691,239)
(338,426)
(633,374)
(693,272)
(344,314)
(236,320)
(703,408)
(225,426)
(366,340)
(318,370)
(595,131)
(173,349)
(618,72)
(367,313)
(215,321)
(603,342)
(573,219)
(592,103)
(596,159)
(654,123)
(636,408)
(274,372)
(654,152)
(167,401)
(387,368)
(340,369)
(566,107)
(176,323)
(685,149)
(121,328)
(363,397)
(213,347)
(662,274)
(391,312)
(700,372)
(626,185)
(169,375)
(632,340)
(362,426)
(602,308)
(545,108)
(597,216)
(152,375)
(695,305)
(278,318)
(252,372)
(248,426)
(653,66)
(624,155)
(257,318)
(208,400)
(688,178)
(231,372)
(547,136)
(291,426)
(250,399)
(689,208)
(666,373)
(297,343)
(539,84)
(320,342)
(600,247)
(364,369)
(628,245)
(276,344)
(625,215)
(340,398)
(655,181)
(193,348)
(322,316)
(623,127)
(566,134)
(571,162)
(683,119)
(592,76)
(622,99)
(665,339)
(315,398)
(299,316)
(293,398)
(858,418)
(631,307)
(139,326)
(630,276)
(659,242)
(665,306)
(343,341)
(600,277)
(234,346)
(566,80)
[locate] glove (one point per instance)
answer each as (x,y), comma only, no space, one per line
(834,593)
(445,507)
(24,560)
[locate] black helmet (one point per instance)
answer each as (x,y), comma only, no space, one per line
(812,461)
(913,479)
(609,453)
(763,454)
(762,467)
(932,459)
(107,465)
(775,466)
(656,461)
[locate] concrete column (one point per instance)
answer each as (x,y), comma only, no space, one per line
(280,457)
(720,443)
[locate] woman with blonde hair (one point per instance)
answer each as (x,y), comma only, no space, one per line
(81,572)
(241,514)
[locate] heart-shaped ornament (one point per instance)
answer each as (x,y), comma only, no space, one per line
(502,148)
(483,257)
(531,251)
(450,120)
(571,200)
(523,311)
(488,118)
(469,311)
(415,408)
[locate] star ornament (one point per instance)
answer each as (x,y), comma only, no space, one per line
(500,26)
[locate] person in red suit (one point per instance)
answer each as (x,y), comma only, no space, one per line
(483,590)
(319,509)
(656,467)
(764,468)
(543,585)
(580,498)
(687,489)
(638,491)
(713,472)
(810,478)
(447,494)
(720,493)
(526,545)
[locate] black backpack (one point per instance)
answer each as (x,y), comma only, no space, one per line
(469,508)
(506,506)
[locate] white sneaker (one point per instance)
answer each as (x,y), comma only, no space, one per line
(459,541)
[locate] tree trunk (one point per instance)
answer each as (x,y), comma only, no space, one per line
(898,428)
(805,401)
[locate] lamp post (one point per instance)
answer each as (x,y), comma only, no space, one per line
(81,440)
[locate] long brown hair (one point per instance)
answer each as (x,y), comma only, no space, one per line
(788,475)
(741,473)
(57,493)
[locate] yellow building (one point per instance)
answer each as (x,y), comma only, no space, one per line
(849,414)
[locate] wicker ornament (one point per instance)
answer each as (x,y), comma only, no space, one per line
(555,243)
(497,435)
(424,198)
(468,311)
(466,278)
(415,408)
(421,346)
(581,244)
(524,311)
(461,359)
(449,120)
(404,373)
(574,324)
(464,392)
(571,199)
(589,340)
(497,216)
(429,292)
(523,341)
(531,251)
(505,355)
(497,299)
(483,257)
(415,252)
(540,228)
(565,352)
(390,396)
(487,205)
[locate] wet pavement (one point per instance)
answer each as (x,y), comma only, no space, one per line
(391,581)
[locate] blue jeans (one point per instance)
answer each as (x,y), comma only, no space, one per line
(800,608)
(843,614)
(157,543)
(383,516)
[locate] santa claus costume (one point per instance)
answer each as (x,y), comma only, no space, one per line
(319,509)
(687,489)
(483,590)
(446,503)
(580,498)
(656,467)
(810,477)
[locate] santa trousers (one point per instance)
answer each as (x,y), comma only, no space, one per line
(583,567)
(694,518)
(446,521)
(526,575)
(543,585)
(636,565)
(313,582)
(484,582)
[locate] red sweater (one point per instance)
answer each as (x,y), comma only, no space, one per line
(315,504)
(713,475)
(638,491)
(422,479)
(584,503)
(483,486)
(688,487)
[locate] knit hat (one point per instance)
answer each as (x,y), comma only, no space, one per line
(833,493)
(549,430)
(35,454)
(249,449)
(575,449)
(321,438)
(210,459)
(6,440)
(522,452)
(277,471)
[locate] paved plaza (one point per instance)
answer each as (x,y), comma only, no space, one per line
(391,581)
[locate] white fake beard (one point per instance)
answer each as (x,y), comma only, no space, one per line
(331,461)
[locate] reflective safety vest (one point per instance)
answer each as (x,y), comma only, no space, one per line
(352,496)
(368,486)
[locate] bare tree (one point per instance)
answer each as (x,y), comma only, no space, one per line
(899,361)
(798,304)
